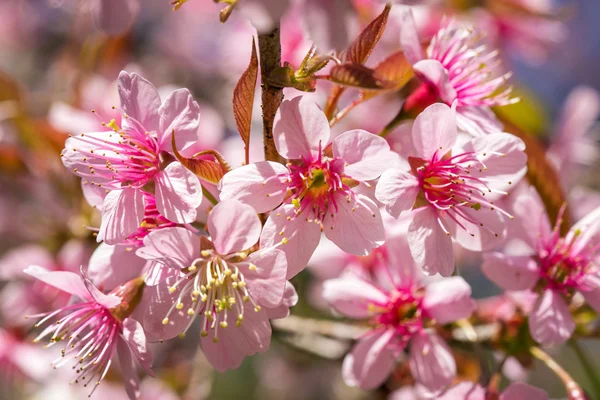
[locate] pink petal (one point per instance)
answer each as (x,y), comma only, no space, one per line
(434,131)
(448,300)
(550,321)
(68,282)
(351,296)
(429,245)
(366,155)
(16,260)
(464,391)
(487,231)
(477,120)
(433,73)
(431,361)
(110,266)
(521,391)
(178,193)
(73,255)
(327,23)
(587,232)
(511,272)
(290,299)
(115,16)
(174,247)
(409,39)
(122,214)
(502,153)
(130,377)
(397,190)
(251,185)
(93,194)
(300,128)
(252,336)
(265,282)
(233,227)
(531,214)
(590,288)
(371,361)
(303,237)
(328,261)
(106,300)
(134,336)
(180,114)
(139,99)
(356,227)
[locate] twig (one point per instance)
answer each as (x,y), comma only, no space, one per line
(588,366)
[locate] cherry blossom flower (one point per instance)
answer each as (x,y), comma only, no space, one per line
(455,67)
(402,311)
(233,291)
(136,159)
(315,191)
(452,185)
(114,16)
(95,328)
(557,267)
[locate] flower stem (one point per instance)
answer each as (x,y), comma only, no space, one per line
(209,196)
(573,389)
(587,365)
(269,48)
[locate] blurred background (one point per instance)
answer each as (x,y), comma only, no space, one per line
(56,66)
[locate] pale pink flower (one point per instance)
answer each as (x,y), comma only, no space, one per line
(557,267)
(114,16)
(315,191)
(456,68)
(453,186)
(401,313)
(473,391)
(94,329)
(135,159)
(232,290)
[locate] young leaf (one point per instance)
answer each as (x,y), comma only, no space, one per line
(357,75)
(362,47)
(207,170)
(395,69)
(243,100)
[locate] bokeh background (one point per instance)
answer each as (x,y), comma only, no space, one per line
(55,66)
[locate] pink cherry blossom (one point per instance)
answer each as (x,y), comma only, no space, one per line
(115,16)
(233,291)
(473,391)
(455,67)
(95,328)
(135,159)
(557,267)
(452,185)
(315,191)
(402,310)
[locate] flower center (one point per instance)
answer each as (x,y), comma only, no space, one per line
(216,288)
(404,312)
(559,268)
(90,332)
(152,221)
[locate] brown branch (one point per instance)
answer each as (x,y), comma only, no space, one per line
(269,48)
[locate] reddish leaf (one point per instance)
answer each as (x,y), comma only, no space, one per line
(357,75)
(395,69)
(207,170)
(243,100)
(362,47)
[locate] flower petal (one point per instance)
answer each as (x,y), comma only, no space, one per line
(115,16)
(290,299)
(179,113)
(448,300)
(300,128)
(370,362)
(233,227)
(106,300)
(68,282)
(265,282)
(352,297)
(397,190)
(356,227)
(510,272)
(590,288)
(464,391)
(433,73)
(110,266)
(531,214)
(587,232)
(520,391)
(477,120)
(130,377)
(409,39)
(434,131)
(174,247)
(134,336)
(550,321)
(178,193)
(139,99)
(122,214)
(366,155)
(256,185)
(302,236)
(486,232)
(502,153)
(429,245)
(431,361)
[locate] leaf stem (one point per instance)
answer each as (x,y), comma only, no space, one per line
(209,196)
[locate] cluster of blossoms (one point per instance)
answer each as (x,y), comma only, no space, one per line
(190,246)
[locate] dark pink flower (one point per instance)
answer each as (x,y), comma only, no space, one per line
(452,185)
(556,266)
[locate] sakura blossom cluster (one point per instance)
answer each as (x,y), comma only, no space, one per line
(383,228)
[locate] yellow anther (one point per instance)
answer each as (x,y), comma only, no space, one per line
(224,324)
(257,308)
(205,253)
(191,312)
(192,268)
(179,306)
(204,333)
(165,321)
(252,267)
(172,289)
(284,240)
(215,340)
